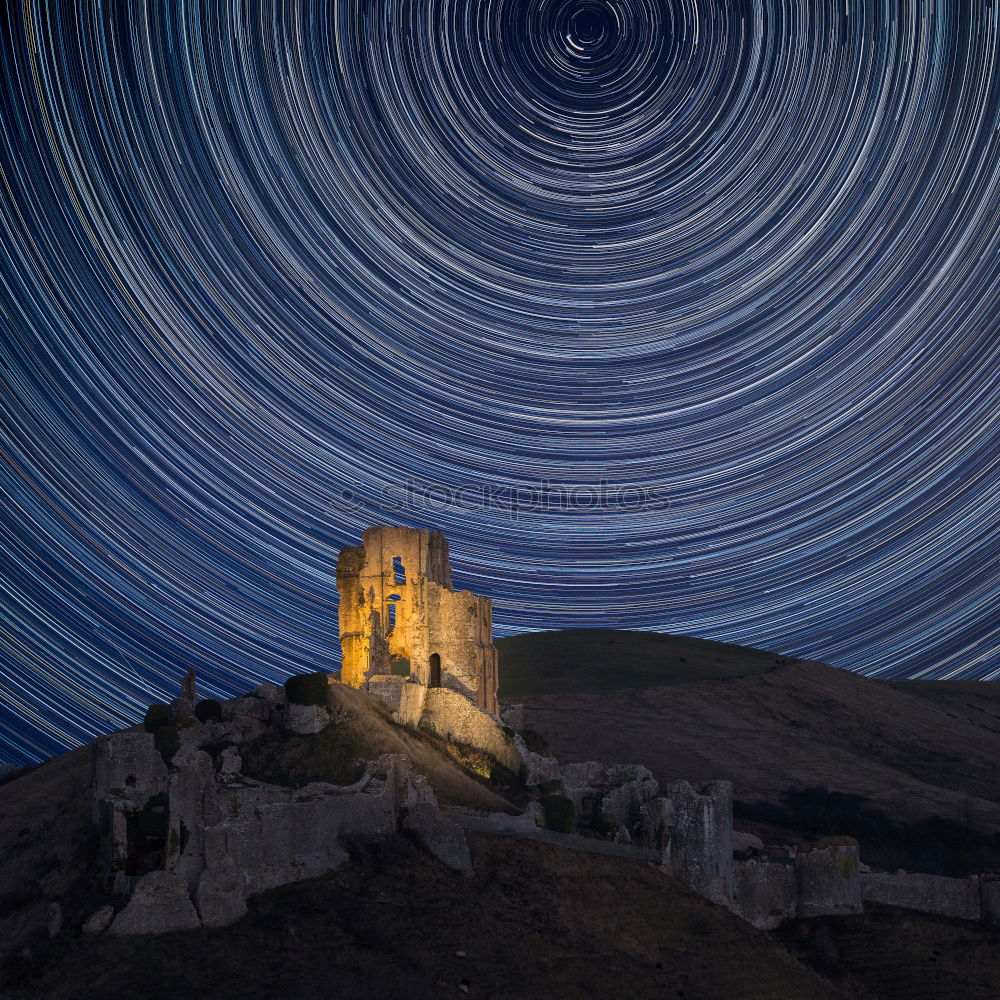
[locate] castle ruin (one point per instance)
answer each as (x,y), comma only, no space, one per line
(400,616)
(189,837)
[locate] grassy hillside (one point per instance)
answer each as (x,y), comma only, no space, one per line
(595,660)
(362,731)
(912,770)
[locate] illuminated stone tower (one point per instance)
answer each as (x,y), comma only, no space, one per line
(400,615)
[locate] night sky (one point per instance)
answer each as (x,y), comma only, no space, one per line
(675,315)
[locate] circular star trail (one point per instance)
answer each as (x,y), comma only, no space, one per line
(672,315)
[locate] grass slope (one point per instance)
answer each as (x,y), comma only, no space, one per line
(912,770)
(362,730)
(534,922)
(894,954)
(596,660)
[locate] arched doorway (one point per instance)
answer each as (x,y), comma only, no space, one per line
(434,680)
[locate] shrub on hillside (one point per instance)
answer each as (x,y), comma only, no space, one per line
(167,741)
(307,689)
(607,826)
(156,716)
(560,813)
(208,710)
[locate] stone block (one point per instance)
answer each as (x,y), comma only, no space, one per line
(764,892)
(221,896)
(438,835)
(412,698)
(304,719)
(159,904)
(99,921)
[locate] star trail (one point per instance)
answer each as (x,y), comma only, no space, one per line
(672,315)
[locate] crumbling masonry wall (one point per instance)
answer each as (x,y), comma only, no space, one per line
(398,613)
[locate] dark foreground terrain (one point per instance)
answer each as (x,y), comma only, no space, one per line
(535,922)
(908,768)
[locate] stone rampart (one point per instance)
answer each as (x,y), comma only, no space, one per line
(945,897)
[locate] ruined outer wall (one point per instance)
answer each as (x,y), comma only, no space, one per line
(461,632)
(946,897)
(702,840)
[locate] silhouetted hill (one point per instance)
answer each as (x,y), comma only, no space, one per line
(578,661)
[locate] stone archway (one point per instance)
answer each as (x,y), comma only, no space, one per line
(434,678)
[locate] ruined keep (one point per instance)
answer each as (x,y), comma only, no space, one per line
(399,615)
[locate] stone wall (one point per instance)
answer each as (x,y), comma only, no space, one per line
(228,836)
(402,696)
(829,881)
(701,845)
(616,790)
(945,897)
(764,892)
(989,897)
(128,767)
(455,718)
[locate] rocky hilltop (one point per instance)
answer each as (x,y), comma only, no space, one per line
(462,793)
(276,820)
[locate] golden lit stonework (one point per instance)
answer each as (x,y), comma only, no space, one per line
(399,615)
